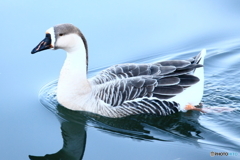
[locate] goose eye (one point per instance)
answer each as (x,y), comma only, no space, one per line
(61,34)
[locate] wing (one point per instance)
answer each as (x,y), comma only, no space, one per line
(117,92)
(143,88)
(164,68)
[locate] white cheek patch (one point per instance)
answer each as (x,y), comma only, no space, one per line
(53,38)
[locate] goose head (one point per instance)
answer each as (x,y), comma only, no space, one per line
(63,36)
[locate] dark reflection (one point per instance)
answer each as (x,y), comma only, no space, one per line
(74,141)
(183,127)
(140,127)
(73,133)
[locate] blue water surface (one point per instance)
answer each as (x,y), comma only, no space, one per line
(119,32)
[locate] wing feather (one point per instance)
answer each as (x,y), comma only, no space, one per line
(175,63)
(129,88)
(168,90)
(168,81)
(117,92)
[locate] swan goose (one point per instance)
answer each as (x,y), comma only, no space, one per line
(159,88)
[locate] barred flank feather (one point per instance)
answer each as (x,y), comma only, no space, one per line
(148,106)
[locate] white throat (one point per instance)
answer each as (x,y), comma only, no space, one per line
(73,83)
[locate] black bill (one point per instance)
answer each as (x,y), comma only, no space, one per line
(44,44)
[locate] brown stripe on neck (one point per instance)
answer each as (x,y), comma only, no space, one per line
(68,28)
(86,47)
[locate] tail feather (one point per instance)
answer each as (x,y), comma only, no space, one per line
(193,95)
(199,59)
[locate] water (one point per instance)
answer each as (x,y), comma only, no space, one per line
(126,32)
(207,132)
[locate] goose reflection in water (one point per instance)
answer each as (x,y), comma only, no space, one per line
(74,141)
(183,127)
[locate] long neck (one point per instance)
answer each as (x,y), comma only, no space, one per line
(73,77)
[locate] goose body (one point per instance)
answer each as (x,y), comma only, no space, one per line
(160,88)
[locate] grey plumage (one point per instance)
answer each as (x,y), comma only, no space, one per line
(176,63)
(143,88)
(147,106)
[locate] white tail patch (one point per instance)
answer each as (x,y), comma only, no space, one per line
(193,95)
